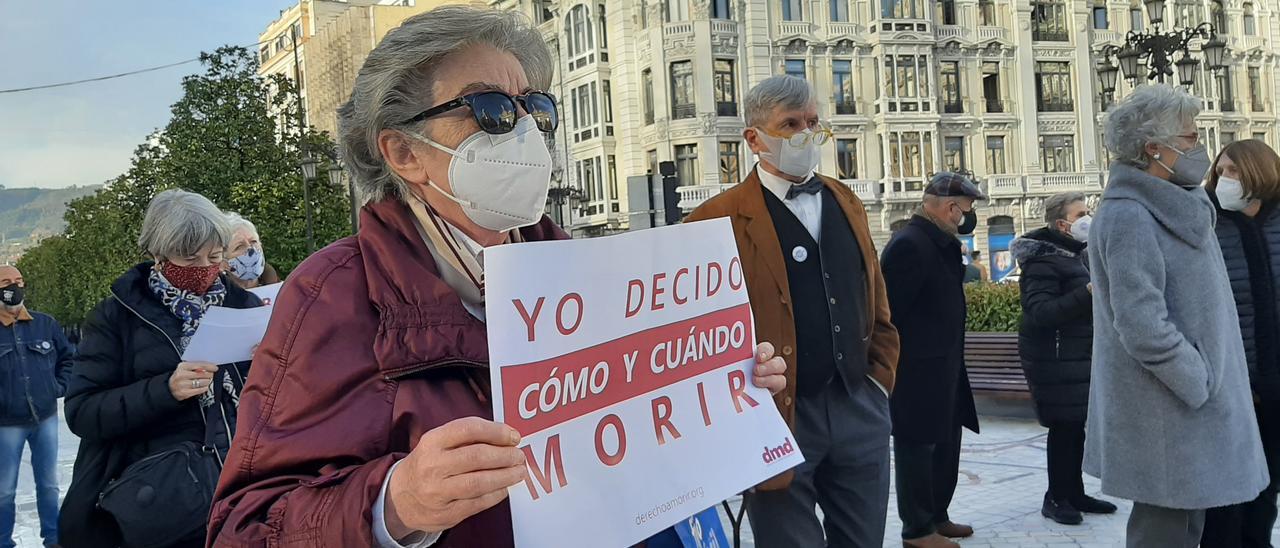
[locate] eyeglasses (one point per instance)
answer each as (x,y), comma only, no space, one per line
(496,112)
(819,134)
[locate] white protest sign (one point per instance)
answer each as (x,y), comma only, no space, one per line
(626,363)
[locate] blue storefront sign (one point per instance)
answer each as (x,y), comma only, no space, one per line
(1002,263)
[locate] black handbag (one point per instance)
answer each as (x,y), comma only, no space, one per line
(165,498)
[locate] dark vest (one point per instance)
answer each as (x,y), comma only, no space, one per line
(828,296)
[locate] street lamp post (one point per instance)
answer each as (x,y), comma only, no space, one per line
(335,179)
(308,174)
(1153,53)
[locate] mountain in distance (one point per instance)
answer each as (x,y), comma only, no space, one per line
(27,214)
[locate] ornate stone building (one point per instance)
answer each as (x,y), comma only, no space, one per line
(1004,88)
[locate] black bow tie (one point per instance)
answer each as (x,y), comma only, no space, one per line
(812,186)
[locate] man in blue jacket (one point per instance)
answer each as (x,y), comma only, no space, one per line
(35,359)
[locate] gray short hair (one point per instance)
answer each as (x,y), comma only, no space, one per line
(1055,207)
(1151,114)
(396,80)
(777,91)
(237,222)
(181,223)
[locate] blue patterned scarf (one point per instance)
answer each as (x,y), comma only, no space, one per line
(188,307)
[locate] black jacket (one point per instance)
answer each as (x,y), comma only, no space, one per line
(1251,252)
(1056,337)
(922,274)
(35,359)
(118,400)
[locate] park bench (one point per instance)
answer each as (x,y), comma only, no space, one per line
(994,366)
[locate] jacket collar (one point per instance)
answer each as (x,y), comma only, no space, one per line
(422,320)
(8,319)
(939,238)
(1186,213)
(1045,242)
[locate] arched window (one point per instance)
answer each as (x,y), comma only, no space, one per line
(1219,16)
(1250,24)
(604,35)
(579,28)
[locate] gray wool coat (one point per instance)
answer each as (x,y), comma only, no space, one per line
(1171,420)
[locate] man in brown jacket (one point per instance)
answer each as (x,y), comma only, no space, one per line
(818,296)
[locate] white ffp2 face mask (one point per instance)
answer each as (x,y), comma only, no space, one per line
(1080,228)
(794,161)
(1230,193)
(501,181)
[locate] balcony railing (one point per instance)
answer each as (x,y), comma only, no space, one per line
(945,32)
(992,33)
(845,107)
(1061,182)
(995,106)
(844,29)
(867,191)
(1004,185)
(1058,106)
(692,196)
(678,28)
(1107,37)
(953,107)
(1253,42)
(727,109)
(1227,105)
(791,28)
(680,112)
(1047,35)
(726,27)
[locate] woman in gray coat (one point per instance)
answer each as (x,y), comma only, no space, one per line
(1171,423)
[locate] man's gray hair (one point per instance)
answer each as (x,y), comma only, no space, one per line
(180,224)
(237,222)
(1151,114)
(396,82)
(1055,207)
(784,91)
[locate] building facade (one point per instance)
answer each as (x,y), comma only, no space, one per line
(1005,89)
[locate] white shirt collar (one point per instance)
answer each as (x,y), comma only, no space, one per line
(777,185)
(472,245)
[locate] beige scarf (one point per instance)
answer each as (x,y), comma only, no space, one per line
(462,268)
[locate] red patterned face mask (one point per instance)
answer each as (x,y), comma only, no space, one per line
(195,279)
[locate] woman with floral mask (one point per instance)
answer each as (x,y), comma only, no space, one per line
(246,262)
(1245,185)
(130,394)
(370,394)
(1171,424)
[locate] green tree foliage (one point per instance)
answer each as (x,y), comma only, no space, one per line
(223,142)
(993,307)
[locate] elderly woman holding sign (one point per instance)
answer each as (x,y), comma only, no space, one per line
(367,416)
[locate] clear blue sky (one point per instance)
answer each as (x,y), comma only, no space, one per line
(86,134)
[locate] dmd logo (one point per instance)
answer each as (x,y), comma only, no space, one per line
(775,453)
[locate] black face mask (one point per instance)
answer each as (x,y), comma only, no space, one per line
(969,223)
(11,295)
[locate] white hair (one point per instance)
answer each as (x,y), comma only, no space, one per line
(1151,114)
(783,91)
(180,224)
(237,222)
(396,80)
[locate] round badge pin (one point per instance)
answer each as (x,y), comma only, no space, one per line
(45,345)
(799,254)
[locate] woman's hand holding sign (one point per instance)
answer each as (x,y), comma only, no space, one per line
(465,467)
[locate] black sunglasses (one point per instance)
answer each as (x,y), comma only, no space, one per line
(495,111)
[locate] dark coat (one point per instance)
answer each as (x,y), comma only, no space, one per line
(923,273)
(1056,337)
(1251,252)
(118,400)
(35,359)
(368,349)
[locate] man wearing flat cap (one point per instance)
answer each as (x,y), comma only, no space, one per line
(932,401)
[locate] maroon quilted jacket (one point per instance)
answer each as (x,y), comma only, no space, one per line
(368,349)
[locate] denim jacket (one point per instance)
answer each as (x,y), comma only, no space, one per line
(35,359)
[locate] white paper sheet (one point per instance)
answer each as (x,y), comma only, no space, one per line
(267,292)
(228,335)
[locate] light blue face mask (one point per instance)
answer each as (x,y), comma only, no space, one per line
(249,266)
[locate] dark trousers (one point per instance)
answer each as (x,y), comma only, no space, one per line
(926,475)
(845,441)
(1066,455)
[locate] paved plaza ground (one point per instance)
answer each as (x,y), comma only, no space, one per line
(1002,480)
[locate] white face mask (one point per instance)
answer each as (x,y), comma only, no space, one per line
(1230,194)
(501,181)
(1080,229)
(794,161)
